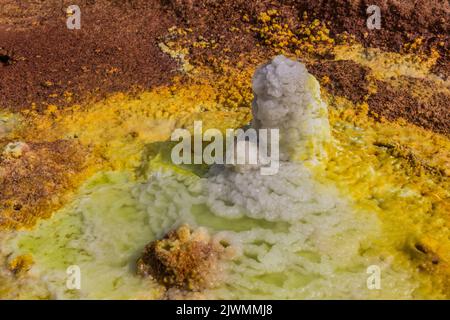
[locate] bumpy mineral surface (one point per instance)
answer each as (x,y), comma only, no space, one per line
(185,259)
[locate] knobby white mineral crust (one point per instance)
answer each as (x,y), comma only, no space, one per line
(245,157)
(287,98)
(289,195)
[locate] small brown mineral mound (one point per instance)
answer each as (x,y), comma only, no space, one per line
(184,259)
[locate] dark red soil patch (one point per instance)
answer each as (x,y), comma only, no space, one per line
(347,78)
(116,49)
(223,23)
(401,22)
(392,103)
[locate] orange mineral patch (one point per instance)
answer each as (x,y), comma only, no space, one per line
(35,179)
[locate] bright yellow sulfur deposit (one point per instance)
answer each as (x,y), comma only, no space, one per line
(306,38)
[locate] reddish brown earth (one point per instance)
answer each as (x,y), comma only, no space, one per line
(430,112)
(401,21)
(115,50)
(43,62)
(347,78)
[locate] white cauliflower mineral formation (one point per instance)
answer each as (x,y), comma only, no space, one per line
(287,98)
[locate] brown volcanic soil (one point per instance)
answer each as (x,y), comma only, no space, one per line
(402,21)
(348,79)
(41,61)
(115,50)
(430,112)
